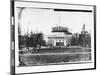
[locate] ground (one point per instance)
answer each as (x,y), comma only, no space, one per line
(54,56)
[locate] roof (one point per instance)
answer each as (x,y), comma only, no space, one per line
(61,29)
(59,34)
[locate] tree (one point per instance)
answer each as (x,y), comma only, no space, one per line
(85,38)
(89,40)
(20,38)
(27,41)
(40,41)
(36,40)
(75,39)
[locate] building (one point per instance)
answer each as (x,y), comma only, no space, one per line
(60,37)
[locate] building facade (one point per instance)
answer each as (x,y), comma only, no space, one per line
(60,37)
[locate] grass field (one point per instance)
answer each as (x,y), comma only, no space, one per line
(56,50)
(57,55)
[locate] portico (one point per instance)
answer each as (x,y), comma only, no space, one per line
(59,37)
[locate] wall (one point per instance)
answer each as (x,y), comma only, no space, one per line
(5,37)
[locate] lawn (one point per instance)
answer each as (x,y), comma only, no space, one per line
(54,56)
(56,50)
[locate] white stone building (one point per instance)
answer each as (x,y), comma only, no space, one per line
(60,37)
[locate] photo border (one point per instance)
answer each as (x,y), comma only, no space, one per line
(12,39)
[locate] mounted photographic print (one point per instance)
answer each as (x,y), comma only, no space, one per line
(51,37)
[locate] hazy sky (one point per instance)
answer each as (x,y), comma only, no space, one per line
(42,20)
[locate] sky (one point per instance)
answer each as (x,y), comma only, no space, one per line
(42,20)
